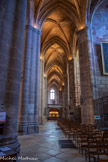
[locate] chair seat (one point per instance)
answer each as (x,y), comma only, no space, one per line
(92,150)
(102,157)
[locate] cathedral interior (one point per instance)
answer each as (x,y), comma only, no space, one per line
(54,80)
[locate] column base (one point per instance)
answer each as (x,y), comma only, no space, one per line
(33,128)
(36,128)
(22,128)
(42,121)
(30,128)
(11,142)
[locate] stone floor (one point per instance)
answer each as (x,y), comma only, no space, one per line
(44,146)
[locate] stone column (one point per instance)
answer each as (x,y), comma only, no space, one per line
(85,77)
(40,90)
(68,91)
(34,82)
(60,97)
(66,95)
(77,81)
(63,103)
(13,14)
(28,114)
(24,94)
(45,99)
(65,99)
(72,87)
(42,94)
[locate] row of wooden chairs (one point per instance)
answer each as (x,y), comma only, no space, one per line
(91,142)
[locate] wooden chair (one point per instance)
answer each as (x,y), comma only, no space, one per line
(102,151)
(91,149)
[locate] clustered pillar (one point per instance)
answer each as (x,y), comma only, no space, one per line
(25,80)
(66,106)
(13,15)
(77,81)
(45,97)
(63,102)
(85,77)
(28,113)
(72,87)
(42,94)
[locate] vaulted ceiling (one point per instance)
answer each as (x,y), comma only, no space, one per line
(58,21)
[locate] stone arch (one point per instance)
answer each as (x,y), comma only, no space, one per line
(57,73)
(54,40)
(54,85)
(48,8)
(53,81)
(54,64)
(92,6)
(99,33)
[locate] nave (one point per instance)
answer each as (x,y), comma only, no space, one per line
(53,65)
(45,146)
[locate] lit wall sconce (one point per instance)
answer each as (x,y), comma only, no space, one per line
(63,84)
(70,58)
(45,75)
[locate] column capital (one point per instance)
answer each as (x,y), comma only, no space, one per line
(70,61)
(84,29)
(33,29)
(81,30)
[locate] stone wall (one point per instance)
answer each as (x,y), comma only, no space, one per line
(99,34)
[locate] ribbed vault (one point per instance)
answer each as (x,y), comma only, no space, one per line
(58,21)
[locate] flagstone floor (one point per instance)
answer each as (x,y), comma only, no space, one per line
(44,146)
